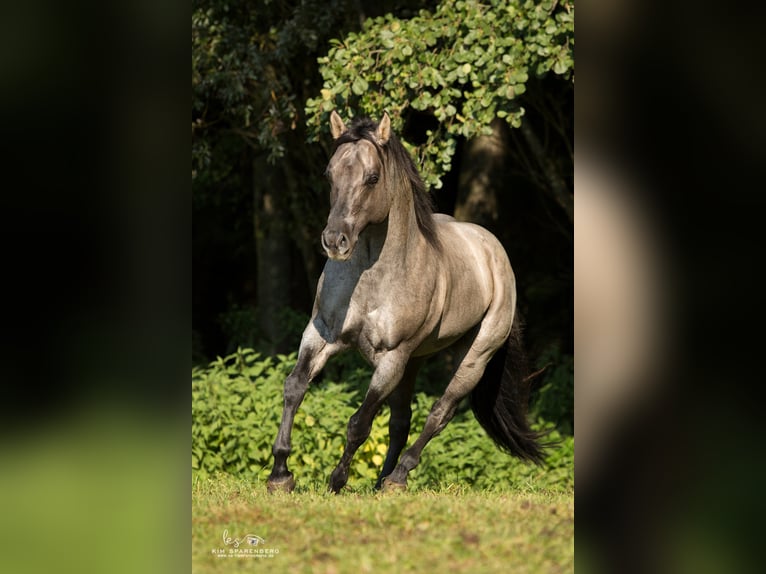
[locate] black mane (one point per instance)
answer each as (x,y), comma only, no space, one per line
(394,152)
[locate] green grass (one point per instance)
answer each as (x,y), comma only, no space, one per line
(450,530)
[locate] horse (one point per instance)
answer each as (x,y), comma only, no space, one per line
(400,284)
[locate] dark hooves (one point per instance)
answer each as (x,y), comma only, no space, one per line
(281,485)
(391,486)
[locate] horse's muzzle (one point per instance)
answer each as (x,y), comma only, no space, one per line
(336,244)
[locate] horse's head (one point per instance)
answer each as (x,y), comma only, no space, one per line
(358,195)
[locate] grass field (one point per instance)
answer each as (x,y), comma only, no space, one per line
(451,530)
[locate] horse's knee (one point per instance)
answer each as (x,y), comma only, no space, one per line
(358,429)
(295,389)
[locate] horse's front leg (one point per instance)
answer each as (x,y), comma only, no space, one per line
(312,357)
(388,374)
(400,402)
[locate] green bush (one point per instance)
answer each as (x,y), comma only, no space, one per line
(553,401)
(236,410)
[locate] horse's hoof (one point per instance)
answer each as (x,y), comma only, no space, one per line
(335,487)
(332,490)
(282,485)
(391,486)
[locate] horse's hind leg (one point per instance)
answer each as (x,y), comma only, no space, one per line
(476,352)
(400,402)
(312,357)
(441,413)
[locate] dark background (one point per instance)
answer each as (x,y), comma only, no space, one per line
(96,222)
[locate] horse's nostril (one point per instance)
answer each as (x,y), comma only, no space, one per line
(332,241)
(335,243)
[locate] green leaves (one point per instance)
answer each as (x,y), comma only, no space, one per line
(359,86)
(464,64)
(237,406)
(236,410)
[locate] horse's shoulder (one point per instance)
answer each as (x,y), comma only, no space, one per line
(448,224)
(443,218)
(465,237)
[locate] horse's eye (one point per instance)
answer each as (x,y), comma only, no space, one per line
(372,179)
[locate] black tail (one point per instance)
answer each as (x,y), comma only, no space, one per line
(501,398)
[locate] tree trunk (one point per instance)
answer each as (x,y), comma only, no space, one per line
(272,245)
(307,226)
(482,177)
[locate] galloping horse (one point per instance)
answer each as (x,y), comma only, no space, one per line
(402,283)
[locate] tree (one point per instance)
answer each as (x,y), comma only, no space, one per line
(464,65)
(480,93)
(253,65)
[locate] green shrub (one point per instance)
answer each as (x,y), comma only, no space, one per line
(554,399)
(236,410)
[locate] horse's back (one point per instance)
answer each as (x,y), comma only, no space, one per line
(473,245)
(477,275)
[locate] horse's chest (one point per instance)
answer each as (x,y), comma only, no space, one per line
(366,323)
(378,329)
(373,312)
(370,323)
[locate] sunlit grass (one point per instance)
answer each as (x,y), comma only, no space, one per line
(452,529)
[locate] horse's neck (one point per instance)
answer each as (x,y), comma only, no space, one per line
(382,268)
(395,240)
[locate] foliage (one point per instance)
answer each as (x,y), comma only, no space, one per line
(253,175)
(464,64)
(257,86)
(554,399)
(247,73)
(237,403)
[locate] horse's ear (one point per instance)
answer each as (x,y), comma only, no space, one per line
(383,133)
(337,127)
